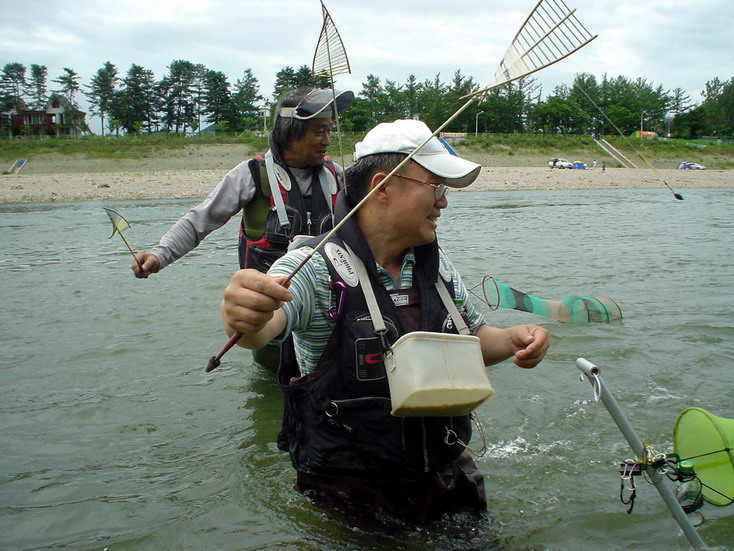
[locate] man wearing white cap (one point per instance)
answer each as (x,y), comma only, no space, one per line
(384,262)
(296,163)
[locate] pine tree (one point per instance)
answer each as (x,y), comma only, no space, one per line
(69,82)
(37,86)
(102,90)
(13,81)
(246,97)
(134,106)
(217,98)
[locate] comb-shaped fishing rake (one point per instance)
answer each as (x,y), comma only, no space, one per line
(550,33)
(329,59)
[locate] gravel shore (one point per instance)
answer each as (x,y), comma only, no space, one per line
(193,174)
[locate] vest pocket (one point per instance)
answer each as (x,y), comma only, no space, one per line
(260,258)
(324,224)
(275,233)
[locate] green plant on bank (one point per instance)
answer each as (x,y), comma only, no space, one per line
(529,144)
(536,148)
(131,146)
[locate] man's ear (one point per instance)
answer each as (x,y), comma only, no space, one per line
(377,180)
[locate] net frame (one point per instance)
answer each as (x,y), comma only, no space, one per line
(550,33)
(330,57)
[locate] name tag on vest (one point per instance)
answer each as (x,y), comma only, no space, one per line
(400,299)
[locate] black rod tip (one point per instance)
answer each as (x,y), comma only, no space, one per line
(212,364)
(678,196)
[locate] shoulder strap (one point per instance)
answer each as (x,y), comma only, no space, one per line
(275,192)
(448,303)
(369,293)
(376,315)
(326,187)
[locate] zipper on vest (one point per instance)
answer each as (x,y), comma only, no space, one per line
(354,400)
(425,446)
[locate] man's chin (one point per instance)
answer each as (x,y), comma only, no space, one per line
(427,239)
(316,161)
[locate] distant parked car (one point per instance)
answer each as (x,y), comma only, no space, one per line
(687,165)
(560,163)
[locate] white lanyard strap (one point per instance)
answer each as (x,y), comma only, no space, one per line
(369,293)
(275,192)
(448,302)
(376,315)
(324,175)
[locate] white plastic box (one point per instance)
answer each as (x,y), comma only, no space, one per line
(436,374)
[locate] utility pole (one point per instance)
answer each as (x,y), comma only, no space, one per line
(641,115)
(476,123)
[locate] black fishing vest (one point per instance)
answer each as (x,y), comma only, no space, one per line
(262,240)
(337,420)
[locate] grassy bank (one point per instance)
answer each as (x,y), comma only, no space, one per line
(660,153)
(117,147)
(495,149)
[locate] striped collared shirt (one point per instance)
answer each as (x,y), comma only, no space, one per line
(307,314)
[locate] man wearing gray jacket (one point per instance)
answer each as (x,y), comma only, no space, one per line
(296,162)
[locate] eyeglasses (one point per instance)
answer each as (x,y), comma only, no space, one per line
(439,190)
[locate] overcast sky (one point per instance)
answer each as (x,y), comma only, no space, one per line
(672,43)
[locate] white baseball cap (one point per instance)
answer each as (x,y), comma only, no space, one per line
(404,136)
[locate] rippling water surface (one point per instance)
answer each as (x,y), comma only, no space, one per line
(114,437)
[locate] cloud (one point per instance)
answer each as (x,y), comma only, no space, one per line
(672,43)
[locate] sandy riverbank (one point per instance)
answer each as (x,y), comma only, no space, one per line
(193,175)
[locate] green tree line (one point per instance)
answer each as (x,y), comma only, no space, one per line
(190,95)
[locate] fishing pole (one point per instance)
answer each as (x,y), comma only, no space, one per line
(629,143)
(549,34)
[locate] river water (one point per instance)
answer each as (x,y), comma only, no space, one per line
(113,436)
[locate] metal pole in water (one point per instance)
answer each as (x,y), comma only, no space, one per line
(592,373)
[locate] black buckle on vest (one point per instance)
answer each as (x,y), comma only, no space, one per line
(384,344)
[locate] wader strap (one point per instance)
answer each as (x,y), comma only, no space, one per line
(276,194)
(448,302)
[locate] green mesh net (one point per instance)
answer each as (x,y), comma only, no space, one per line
(572,309)
(707,441)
